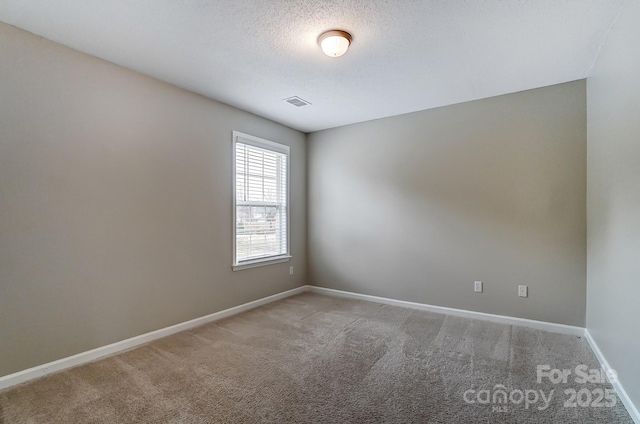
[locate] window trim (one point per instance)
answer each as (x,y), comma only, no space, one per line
(278,148)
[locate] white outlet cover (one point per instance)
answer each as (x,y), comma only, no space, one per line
(522,291)
(477,286)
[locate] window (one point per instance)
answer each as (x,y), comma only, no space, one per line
(261,201)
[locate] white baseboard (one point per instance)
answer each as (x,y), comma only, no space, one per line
(540,325)
(617,386)
(91,355)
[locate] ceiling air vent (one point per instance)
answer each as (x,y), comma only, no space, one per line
(297,101)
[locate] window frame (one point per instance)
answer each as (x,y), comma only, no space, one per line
(274,147)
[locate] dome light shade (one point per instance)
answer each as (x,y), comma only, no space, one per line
(334,43)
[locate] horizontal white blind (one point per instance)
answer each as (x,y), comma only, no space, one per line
(261,203)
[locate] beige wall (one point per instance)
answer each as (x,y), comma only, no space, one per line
(613,207)
(418,206)
(115,204)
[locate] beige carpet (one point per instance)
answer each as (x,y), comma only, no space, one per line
(318,359)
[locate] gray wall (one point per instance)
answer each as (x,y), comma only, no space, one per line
(418,206)
(613,207)
(115,204)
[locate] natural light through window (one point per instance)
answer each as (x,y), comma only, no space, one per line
(261,200)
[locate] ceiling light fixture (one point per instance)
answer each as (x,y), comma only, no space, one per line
(334,43)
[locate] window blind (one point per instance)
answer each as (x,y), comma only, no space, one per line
(261,202)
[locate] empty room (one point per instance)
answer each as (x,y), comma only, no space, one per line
(310,211)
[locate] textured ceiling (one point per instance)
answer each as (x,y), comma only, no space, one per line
(406,55)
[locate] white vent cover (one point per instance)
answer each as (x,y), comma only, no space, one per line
(297,101)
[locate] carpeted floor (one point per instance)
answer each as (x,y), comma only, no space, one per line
(318,359)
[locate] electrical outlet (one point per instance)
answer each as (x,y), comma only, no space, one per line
(477,286)
(290,270)
(522,291)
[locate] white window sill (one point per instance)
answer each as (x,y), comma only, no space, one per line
(261,262)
